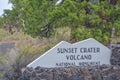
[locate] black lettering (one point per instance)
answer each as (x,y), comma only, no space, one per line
(65,64)
(66,50)
(81,50)
(88,57)
(57,64)
(85,50)
(90,50)
(98,50)
(58,50)
(78,57)
(82,57)
(89,63)
(72,57)
(75,51)
(67,57)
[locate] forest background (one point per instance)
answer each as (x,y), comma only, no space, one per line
(34,26)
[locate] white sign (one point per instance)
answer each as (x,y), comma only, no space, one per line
(88,52)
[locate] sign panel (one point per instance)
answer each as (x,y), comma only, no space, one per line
(88,52)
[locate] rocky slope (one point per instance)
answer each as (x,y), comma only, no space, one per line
(103,72)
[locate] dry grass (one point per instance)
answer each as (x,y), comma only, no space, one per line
(29,48)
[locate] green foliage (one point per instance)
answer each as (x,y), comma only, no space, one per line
(88,19)
(43,17)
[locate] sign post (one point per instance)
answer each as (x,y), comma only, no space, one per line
(88,52)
